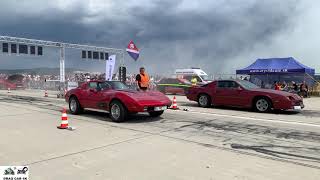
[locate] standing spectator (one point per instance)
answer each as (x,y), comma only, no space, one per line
(295,87)
(194,81)
(274,86)
(143,80)
(262,85)
(304,89)
(284,86)
(277,86)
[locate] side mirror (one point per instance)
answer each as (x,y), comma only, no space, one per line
(93,90)
(239,88)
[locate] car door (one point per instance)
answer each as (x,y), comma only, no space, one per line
(244,96)
(101,98)
(91,95)
(83,94)
(227,93)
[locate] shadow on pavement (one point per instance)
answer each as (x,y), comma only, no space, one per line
(133,118)
(263,150)
(288,112)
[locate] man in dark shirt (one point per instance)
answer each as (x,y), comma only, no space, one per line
(295,87)
(304,89)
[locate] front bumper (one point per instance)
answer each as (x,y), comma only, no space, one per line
(147,107)
(298,106)
(286,105)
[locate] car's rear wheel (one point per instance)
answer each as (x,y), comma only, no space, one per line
(118,113)
(155,113)
(74,105)
(262,105)
(204,100)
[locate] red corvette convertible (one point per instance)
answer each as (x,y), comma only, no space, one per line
(116,98)
(240,93)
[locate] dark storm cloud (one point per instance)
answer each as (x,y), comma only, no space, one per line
(207,35)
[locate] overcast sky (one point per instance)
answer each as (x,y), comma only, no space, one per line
(216,35)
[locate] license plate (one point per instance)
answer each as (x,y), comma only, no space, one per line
(296,107)
(161,108)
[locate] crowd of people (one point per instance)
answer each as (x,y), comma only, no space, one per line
(34,81)
(52,82)
(302,88)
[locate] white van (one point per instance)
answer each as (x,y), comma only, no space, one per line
(201,76)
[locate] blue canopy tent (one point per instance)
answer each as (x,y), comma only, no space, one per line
(278,69)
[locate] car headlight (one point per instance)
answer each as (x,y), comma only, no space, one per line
(290,98)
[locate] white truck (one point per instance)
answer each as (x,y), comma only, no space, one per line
(201,76)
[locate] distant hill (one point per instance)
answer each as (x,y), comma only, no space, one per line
(38,71)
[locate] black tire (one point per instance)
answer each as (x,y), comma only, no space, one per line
(76,107)
(155,113)
(204,100)
(262,105)
(123,112)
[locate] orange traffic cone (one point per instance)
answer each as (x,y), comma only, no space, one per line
(45,93)
(64,120)
(9,90)
(174,103)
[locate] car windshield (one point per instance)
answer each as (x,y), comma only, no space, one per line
(247,84)
(205,78)
(117,85)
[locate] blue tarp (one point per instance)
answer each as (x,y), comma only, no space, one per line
(276,66)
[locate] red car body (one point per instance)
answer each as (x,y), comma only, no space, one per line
(173,86)
(240,96)
(133,101)
(4,84)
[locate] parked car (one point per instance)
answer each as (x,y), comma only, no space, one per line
(241,93)
(116,98)
(173,86)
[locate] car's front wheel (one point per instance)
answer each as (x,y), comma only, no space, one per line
(74,106)
(118,113)
(204,100)
(262,105)
(155,113)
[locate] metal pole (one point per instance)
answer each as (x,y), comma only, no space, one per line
(62,66)
(122,63)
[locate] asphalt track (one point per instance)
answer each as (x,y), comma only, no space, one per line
(211,143)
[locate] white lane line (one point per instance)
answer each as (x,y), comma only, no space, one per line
(254,119)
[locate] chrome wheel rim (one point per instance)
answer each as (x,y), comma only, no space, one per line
(115,111)
(203,100)
(73,105)
(262,105)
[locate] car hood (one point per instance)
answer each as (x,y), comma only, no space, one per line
(271,91)
(147,97)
